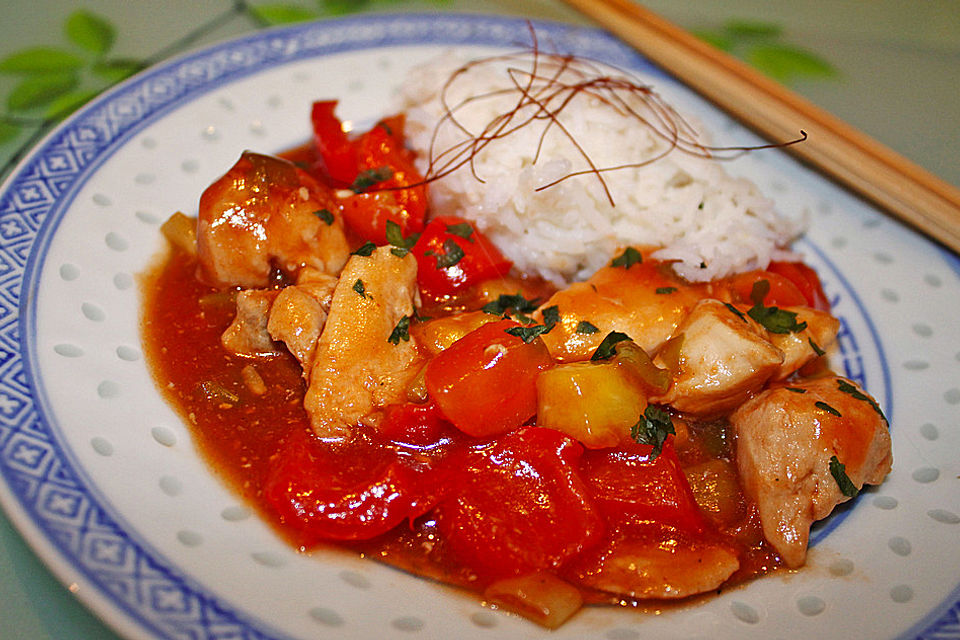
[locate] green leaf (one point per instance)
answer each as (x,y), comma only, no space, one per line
(401,331)
(40,91)
(370,177)
(586,328)
(785,62)
(653,429)
(40,60)
(718,40)
(451,256)
(8,131)
(528,334)
(753,29)
(281,13)
(606,349)
(839,472)
(70,102)
(89,31)
(365,250)
(340,7)
(505,302)
(627,259)
(114,71)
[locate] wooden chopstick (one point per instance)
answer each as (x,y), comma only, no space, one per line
(877,173)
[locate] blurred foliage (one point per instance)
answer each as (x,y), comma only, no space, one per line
(761,44)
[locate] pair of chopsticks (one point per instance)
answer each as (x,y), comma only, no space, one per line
(892,182)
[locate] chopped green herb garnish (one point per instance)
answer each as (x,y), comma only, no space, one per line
(586,328)
(365,249)
(839,472)
(627,259)
(385,127)
(359,288)
(325,215)
(462,229)
(370,177)
(773,319)
(816,348)
(662,291)
(551,316)
(795,389)
(401,331)
(824,406)
(850,389)
(653,429)
(506,301)
(606,348)
(735,311)
(401,245)
(528,334)
(451,256)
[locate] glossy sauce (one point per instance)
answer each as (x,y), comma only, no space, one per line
(240,432)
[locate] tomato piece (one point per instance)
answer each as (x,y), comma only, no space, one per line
(806,280)
(411,423)
(782,293)
(337,153)
(629,485)
(517,505)
(442,241)
(353,490)
(486,382)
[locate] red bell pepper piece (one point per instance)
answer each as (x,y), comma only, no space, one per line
(517,505)
(452,255)
(806,280)
(344,491)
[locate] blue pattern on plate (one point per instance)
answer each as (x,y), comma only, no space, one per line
(36,467)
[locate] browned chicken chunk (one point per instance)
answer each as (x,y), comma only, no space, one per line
(724,358)
(357,369)
(265,213)
(787,440)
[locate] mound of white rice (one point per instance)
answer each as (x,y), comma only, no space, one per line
(709,223)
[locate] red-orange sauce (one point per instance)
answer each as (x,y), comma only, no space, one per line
(240,432)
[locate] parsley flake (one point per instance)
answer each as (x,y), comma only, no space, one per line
(359,288)
(849,389)
(795,389)
(401,331)
(839,472)
(627,259)
(551,316)
(365,249)
(505,302)
(735,311)
(825,407)
(451,256)
(325,215)
(773,319)
(370,177)
(586,328)
(606,349)
(401,245)
(663,291)
(816,348)
(528,334)
(461,229)
(653,429)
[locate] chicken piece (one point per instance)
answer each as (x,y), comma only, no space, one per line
(640,301)
(821,330)
(724,358)
(247,335)
(786,438)
(357,369)
(266,213)
(298,315)
(659,561)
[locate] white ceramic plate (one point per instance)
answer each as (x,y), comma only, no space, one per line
(102,478)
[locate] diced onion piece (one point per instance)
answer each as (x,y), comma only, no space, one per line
(595,403)
(253,380)
(181,232)
(540,597)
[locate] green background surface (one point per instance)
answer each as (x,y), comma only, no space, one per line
(890,68)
